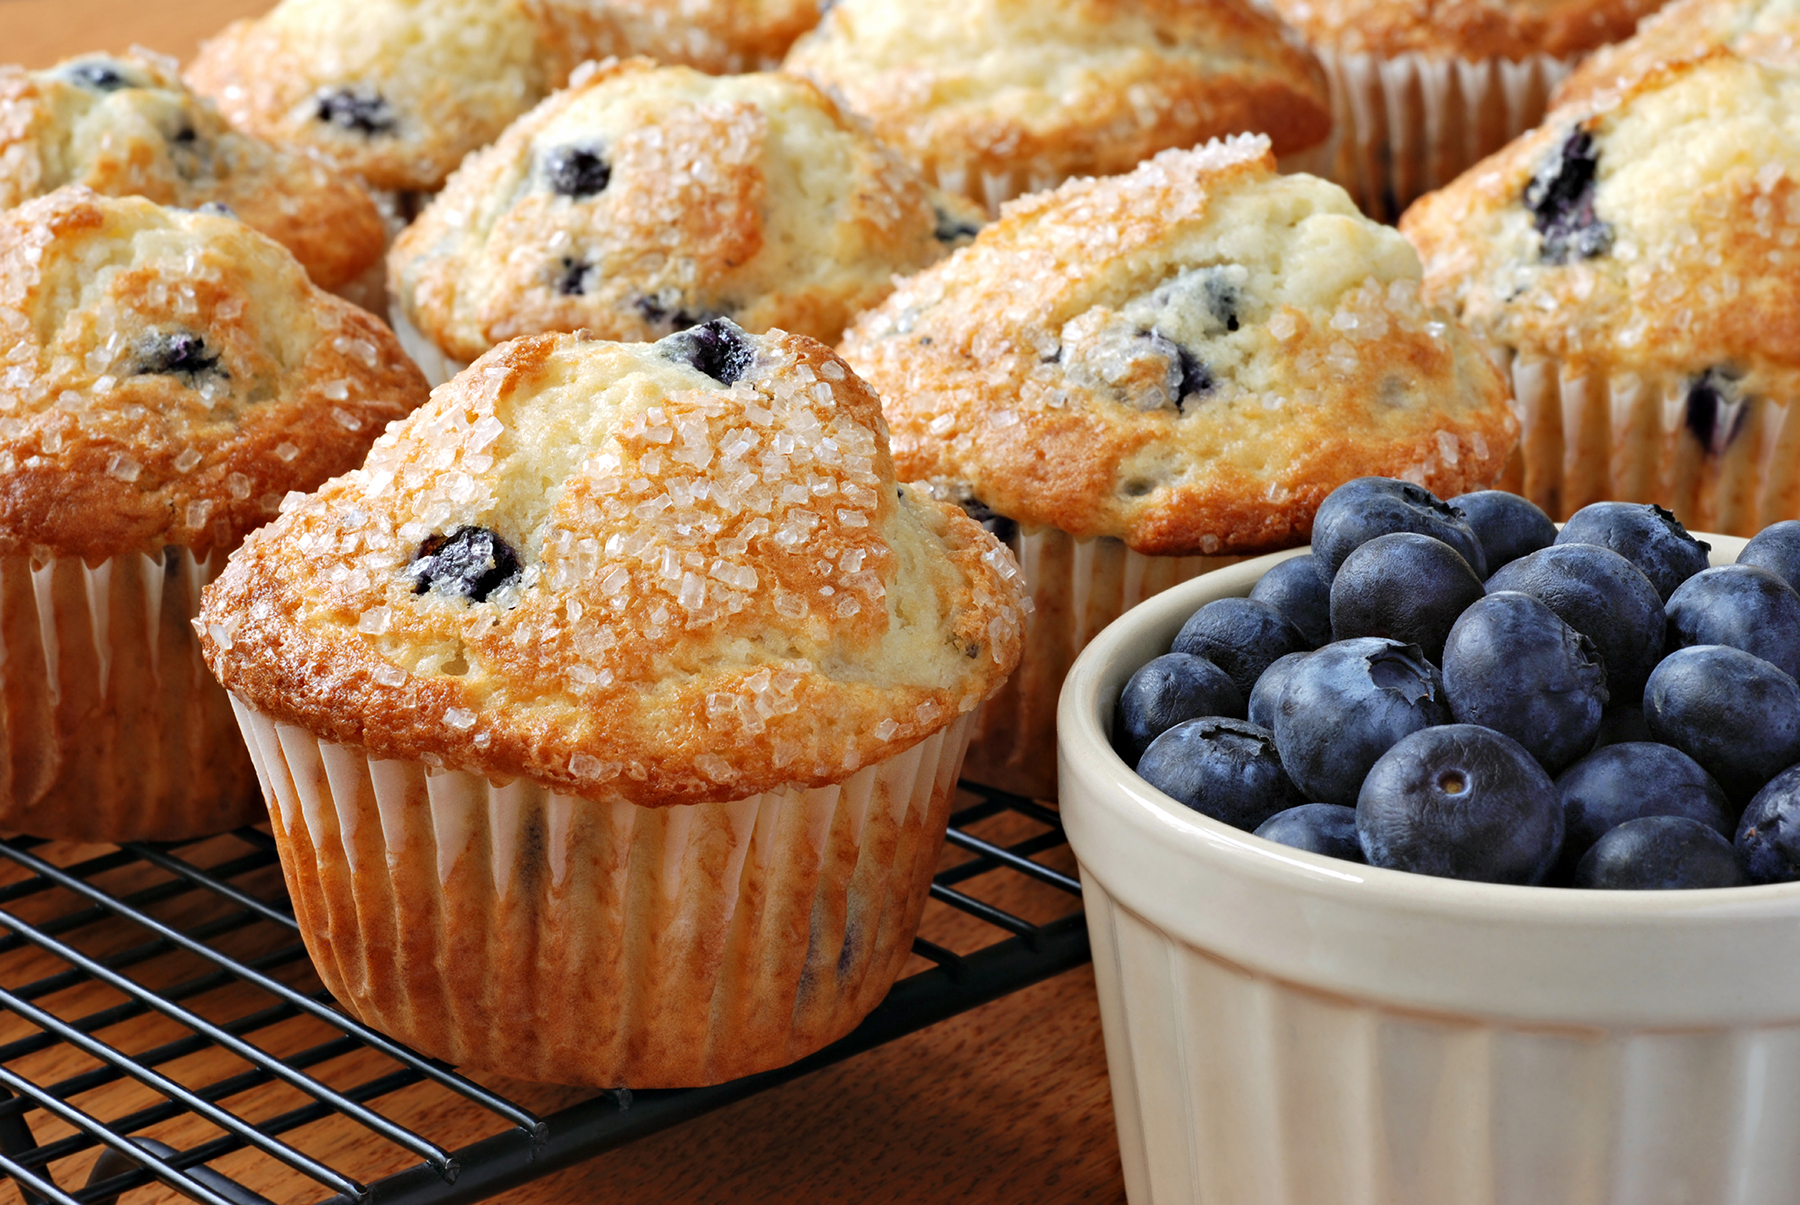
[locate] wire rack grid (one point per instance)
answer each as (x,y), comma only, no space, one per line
(160,1022)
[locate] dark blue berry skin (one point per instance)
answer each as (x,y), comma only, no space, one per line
(100,75)
(1170,689)
(576,172)
(1604,597)
(1716,409)
(1507,525)
(1660,853)
(1560,197)
(1624,782)
(718,348)
(1768,836)
(1319,828)
(176,353)
(1623,723)
(1241,637)
(1357,511)
(1512,665)
(1404,586)
(470,561)
(1460,802)
(360,109)
(1741,606)
(1298,590)
(1735,714)
(1346,705)
(1266,694)
(1644,534)
(1777,549)
(1226,769)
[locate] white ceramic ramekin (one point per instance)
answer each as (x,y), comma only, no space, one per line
(1287,1029)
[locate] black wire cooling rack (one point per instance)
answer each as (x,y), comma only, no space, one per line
(160,1021)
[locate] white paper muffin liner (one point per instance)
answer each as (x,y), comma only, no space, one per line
(1592,436)
(1405,125)
(1076,587)
(436,366)
(114,730)
(516,930)
(992,189)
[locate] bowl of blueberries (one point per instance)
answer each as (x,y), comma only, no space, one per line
(1454,859)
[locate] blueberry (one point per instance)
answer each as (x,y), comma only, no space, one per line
(1297,589)
(176,353)
(570,276)
(1735,714)
(1347,704)
(1226,769)
(1402,585)
(1644,534)
(1319,828)
(1507,526)
(1460,802)
(1172,688)
(1716,409)
(1512,665)
(953,231)
(470,561)
(1623,782)
(1741,606)
(1768,836)
(360,109)
(1777,549)
(1188,377)
(998,525)
(719,348)
(668,313)
(576,172)
(1358,511)
(1660,853)
(1561,200)
(100,75)
(1241,637)
(1604,597)
(1265,696)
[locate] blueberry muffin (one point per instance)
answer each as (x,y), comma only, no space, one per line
(644,199)
(397,91)
(609,715)
(1420,91)
(1686,30)
(1133,375)
(125,125)
(1634,260)
(169,377)
(993,98)
(720,36)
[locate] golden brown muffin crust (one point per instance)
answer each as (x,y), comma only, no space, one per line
(1188,358)
(126,126)
(1685,31)
(1470,29)
(722,589)
(723,37)
(1063,87)
(169,376)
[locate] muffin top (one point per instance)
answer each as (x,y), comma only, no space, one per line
(1469,29)
(1686,30)
(720,36)
(645,199)
(1188,357)
(166,377)
(667,573)
(126,126)
(1646,229)
(397,91)
(1054,88)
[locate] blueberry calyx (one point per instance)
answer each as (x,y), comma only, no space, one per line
(577,172)
(360,109)
(1561,200)
(177,353)
(470,561)
(719,348)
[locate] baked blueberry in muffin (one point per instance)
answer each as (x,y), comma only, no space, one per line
(644,200)
(126,126)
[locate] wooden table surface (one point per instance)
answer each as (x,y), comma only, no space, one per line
(1007,1103)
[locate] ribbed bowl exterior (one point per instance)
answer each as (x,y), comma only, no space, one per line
(564,940)
(1286,1029)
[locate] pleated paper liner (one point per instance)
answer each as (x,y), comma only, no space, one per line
(114,730)
(1729,465)
(1077,587)
(436,366)
(566,940)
